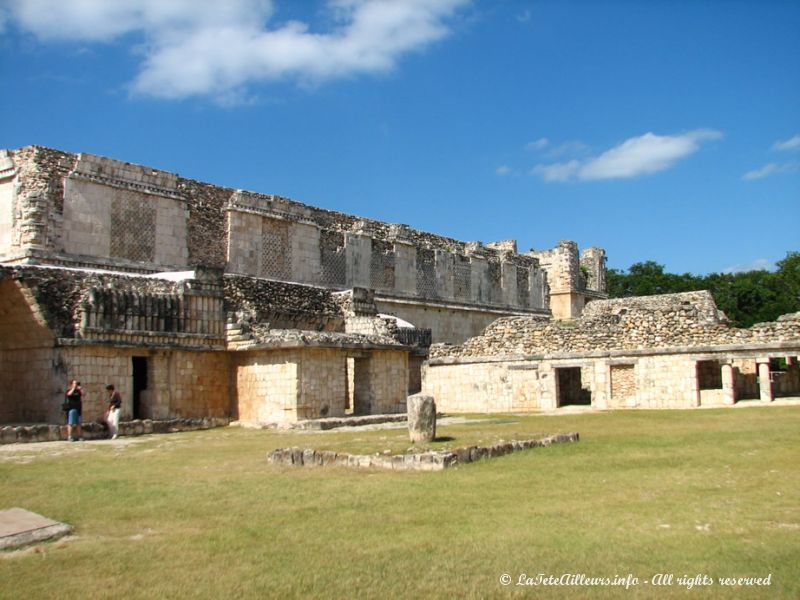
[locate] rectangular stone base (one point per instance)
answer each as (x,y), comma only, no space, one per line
(20,527)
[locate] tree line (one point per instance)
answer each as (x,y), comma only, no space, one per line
(746,298)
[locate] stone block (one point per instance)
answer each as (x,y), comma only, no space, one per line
(421,418)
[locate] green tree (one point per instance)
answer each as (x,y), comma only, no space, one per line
(746,298)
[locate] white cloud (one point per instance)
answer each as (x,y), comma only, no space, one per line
(648,153)
(771,169)
(538,144)
(759,264)
(645,154)
(557,171)
(793,143)
(503,170)
(768,169)
(199,47)
(572,147)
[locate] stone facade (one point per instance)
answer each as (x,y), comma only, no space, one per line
(88,211)
(196,300)
(669,351)
(199,344)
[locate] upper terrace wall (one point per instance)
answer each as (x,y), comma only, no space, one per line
(84,210)
(276,238)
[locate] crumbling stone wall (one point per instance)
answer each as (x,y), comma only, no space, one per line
(207,226)
(593,264)
(670,351)
(668,321)
(283,305)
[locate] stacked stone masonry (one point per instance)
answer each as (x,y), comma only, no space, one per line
(198,300)
(419,461)
(670,351)
(88,211)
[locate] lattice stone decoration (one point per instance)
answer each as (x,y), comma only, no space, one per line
(523,286)
(495,283)
(133,227)
(381,267)
(332,257)
(276,249)
(426,273)
(462,278)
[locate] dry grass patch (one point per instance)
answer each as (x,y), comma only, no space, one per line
(203,515)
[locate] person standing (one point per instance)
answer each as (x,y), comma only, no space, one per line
(74,407)
(114,406)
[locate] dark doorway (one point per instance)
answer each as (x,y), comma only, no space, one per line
(139,384)
(570,388)
(362,391)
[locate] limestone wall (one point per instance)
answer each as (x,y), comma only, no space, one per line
(266,385)
(29,374)
(29,386)
(265,239)
(124,224)
(669,351)
(187,384)
(323,384)
(287,385)
(180,384)
(468,388)
(447,322)
(388,381)
(657,381)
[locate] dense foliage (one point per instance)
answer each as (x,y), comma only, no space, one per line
(747,297)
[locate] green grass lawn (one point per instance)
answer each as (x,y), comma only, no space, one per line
(202,515)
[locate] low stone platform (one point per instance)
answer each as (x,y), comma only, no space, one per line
(11,434)
(421,461)
(329,423)
(20,527)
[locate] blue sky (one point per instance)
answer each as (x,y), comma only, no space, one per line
(666,131)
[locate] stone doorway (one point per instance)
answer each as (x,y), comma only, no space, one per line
(140,375)
(359,394)
(570,390)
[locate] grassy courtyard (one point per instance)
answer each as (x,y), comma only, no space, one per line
(202,515)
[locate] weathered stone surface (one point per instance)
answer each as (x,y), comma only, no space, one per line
(651,322)
(418,461)
(92,430)
(19,527)
(421,418)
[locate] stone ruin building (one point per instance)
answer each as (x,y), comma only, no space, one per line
(197,300)
(667,351)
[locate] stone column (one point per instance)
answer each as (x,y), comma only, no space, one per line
(764,384)
(358,254)
(405,268)
(443,273)
(508,277)
(421,418)
(728,388)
